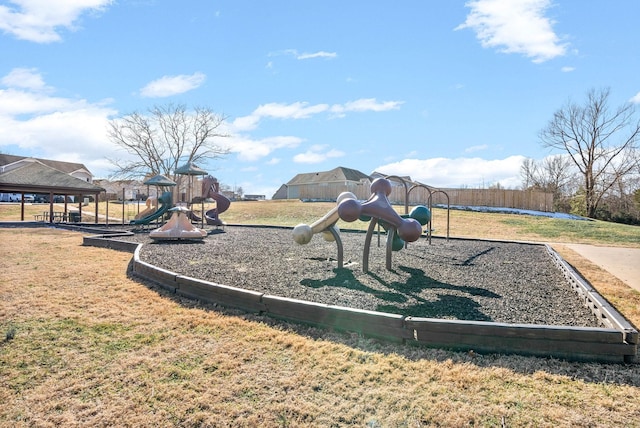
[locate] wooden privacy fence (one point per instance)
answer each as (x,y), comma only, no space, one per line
(503,198)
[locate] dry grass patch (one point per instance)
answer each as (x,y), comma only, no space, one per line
(461,223)
(92,347)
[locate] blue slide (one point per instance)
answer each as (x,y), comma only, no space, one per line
(166,202)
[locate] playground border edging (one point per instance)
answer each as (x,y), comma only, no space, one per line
(615,343)
(248,300)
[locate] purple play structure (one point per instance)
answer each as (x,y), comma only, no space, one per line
(378,211)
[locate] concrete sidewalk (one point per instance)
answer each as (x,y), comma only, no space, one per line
(623,263)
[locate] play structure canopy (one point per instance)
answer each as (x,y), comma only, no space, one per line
(160,180)
(190,169)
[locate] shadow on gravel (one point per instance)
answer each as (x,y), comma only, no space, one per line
(346,279)
(398,295)
(471,260)
(446,305)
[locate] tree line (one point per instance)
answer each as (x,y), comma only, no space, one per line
(597,172)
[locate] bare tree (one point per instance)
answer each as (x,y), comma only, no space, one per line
(601,143)
(165,138)
(529,172)
(554,174)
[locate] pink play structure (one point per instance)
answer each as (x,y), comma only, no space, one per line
(178,227)
(211,190)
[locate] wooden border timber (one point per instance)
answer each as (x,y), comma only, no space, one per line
(574,343)
(605,312)
(616,342)
(369,323)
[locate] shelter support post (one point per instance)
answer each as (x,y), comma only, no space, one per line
(96,199)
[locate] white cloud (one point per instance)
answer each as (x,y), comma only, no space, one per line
(320,54)
(250,150)
(297,110)
(635,99)
(167,86)
(246,123)
(365,104)
(460,172)
(477,148)
(317,154)
(40,21)
(27,94)
(567,69)
(15,102)
(305,55)
(515,27)
(26,78)
(303,110)
(66,129)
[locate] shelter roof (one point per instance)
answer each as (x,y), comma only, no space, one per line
(336,175)
(36,177)
(66,167)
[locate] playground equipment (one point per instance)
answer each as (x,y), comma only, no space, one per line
(211,189)
(151,206)
(326,225)
(178,227)
(166,202)
(415,186)
(190,170)
(376,210)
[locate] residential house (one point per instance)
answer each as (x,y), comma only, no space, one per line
(325,185)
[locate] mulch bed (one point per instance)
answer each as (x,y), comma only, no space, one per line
(448,279)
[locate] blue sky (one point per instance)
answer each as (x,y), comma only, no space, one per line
(452,93)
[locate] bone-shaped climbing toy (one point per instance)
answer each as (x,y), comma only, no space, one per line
(378,206)
(303,233)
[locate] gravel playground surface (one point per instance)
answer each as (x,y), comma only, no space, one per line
(449,279)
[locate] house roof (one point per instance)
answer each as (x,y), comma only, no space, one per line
(339,174)
(376,174)
(281,193)
(36,177)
